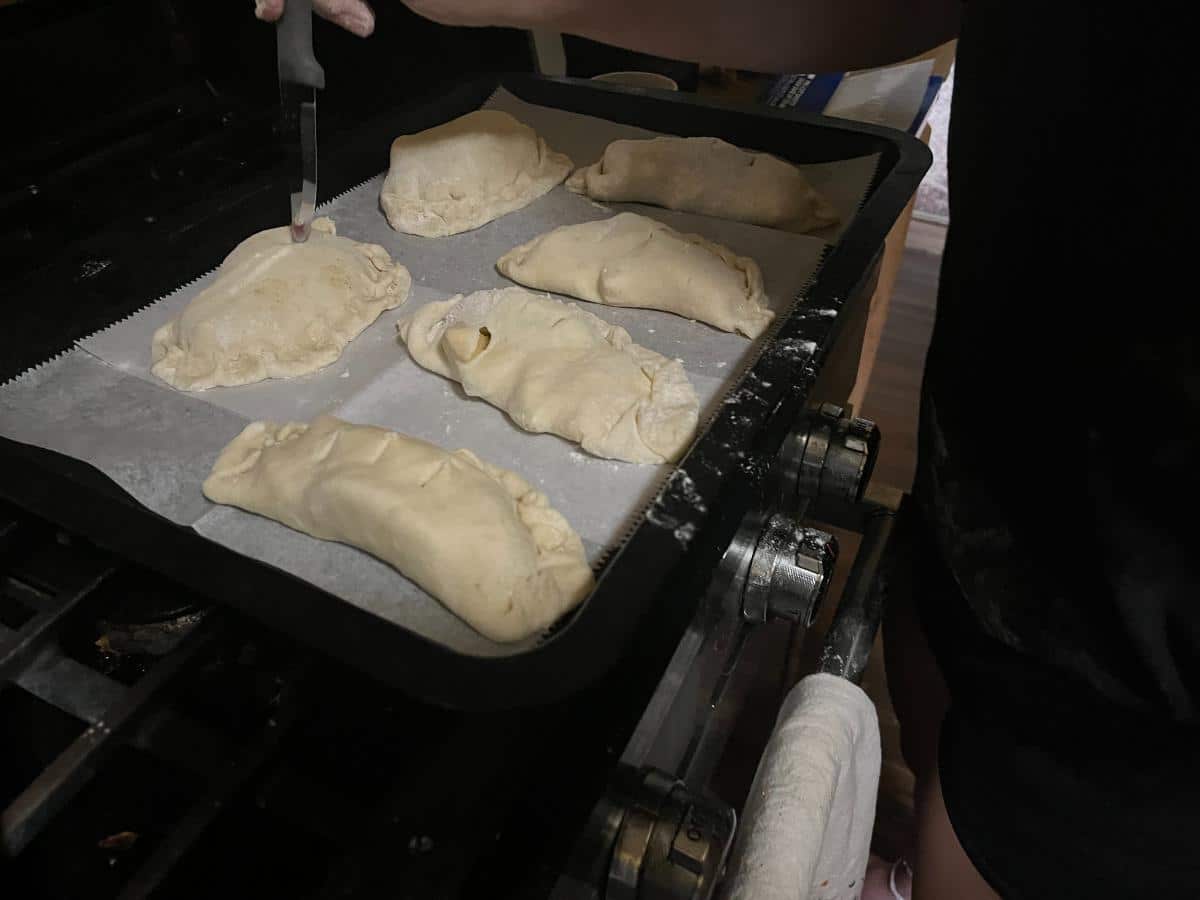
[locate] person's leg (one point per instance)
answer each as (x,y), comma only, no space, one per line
(942,870)
(921,698)
(915,681)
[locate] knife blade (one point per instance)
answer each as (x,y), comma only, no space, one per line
(300,77)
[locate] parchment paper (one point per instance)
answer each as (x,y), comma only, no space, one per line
(99,403)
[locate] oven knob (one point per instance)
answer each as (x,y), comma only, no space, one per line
(789,572)
(672,844)
(829,454)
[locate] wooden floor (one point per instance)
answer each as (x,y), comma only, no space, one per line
(893,394)
(891,401)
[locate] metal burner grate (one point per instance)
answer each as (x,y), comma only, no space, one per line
(55,597)
(143,769)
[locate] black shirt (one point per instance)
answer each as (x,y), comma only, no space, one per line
(1060,444)
(1059,452)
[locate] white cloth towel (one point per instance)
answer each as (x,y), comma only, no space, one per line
(806,828)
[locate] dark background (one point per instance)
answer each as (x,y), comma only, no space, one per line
(100,98)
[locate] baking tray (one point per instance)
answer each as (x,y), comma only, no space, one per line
(649,582)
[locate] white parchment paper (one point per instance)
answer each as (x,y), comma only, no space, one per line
(99,403)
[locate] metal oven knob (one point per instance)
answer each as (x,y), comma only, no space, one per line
(789,572)
(829,455)
(671,845)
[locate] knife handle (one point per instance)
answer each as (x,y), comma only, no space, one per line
(293,36)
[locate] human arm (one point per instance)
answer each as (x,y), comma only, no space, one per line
(761,35)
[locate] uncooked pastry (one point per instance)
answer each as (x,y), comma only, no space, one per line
(631,260)
(278,309)
(554,367)
(706,175)
(476,537)
(467,172)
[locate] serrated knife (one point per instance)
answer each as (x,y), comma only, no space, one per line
(300,77)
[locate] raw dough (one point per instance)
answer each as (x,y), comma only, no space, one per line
(476,537)
(278,309)
(630,260)
(553,367)
(463,174)
(708,176)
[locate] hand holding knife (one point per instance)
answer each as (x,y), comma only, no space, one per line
(356,16)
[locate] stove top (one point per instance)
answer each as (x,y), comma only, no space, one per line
(158,743)
(159,746)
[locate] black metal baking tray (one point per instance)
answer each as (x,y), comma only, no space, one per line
(650,586)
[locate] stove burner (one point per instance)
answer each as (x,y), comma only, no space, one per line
(142,598)
(148,638)
(140,617)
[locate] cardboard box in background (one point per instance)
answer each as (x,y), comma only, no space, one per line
(898,96)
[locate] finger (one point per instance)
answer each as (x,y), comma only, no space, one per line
(353,15)
(268,10)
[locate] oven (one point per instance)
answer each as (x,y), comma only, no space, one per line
(181,718)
